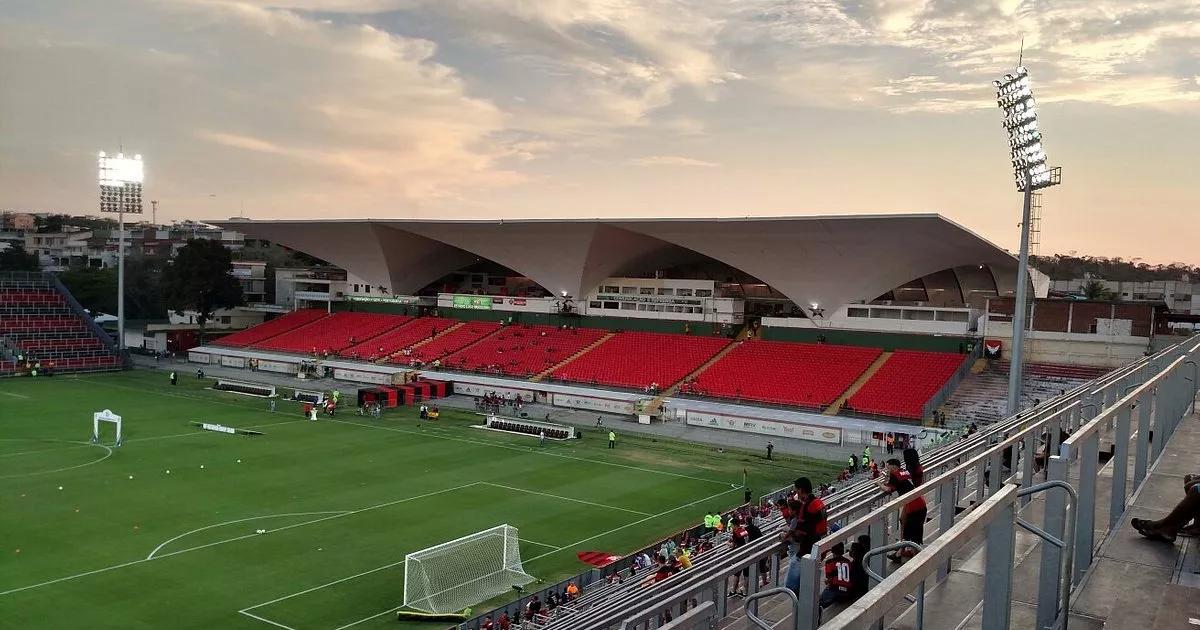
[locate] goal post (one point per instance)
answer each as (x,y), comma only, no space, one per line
(451,576)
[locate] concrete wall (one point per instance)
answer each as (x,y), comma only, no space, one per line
(1073,348)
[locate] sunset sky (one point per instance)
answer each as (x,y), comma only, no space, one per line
(611,108)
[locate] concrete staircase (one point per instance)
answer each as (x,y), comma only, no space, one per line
(655,406)
(421,342)
(836,406)
(547,372)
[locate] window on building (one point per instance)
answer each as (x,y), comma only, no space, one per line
(629,306)
(646,291)
(629,290)
(683,292)
(611,289)
(595,304)
(666,291)
(612,305)
(704,292)
(367,289)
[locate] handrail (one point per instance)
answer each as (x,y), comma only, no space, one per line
(755,619)
(903,544)
(1066,543)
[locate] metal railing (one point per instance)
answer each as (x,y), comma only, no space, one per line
(961,480)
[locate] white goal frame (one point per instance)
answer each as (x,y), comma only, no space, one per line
(105,416)
(417,577)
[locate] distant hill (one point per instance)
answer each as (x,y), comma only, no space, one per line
(1116,269)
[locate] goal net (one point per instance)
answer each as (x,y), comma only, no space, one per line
(463,572)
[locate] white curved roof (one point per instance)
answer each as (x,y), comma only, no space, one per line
(824,260)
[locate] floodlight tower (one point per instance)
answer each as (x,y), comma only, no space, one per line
(1015,97)
(120,192)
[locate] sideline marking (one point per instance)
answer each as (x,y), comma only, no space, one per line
(245,611)
(14,395)
(242,520)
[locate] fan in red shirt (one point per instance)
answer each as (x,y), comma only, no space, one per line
(913,515)
(837,577)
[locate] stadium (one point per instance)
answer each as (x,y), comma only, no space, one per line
(588,424)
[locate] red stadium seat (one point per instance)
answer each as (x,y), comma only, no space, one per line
(271,328)
(448,342)
(413,332)
(522,350)
(334,333)
(904,383)
(783,373)
(638,359)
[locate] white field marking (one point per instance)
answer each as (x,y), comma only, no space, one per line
(228,540)
(240,520)
(549,553)
(15,395)
(531,450)
(108,453)
(558,496)
(175,435)
(540,544)
(76,444)
(172,395)
(265,620)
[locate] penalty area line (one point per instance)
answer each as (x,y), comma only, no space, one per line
(265,620)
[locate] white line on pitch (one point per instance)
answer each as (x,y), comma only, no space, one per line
(265,620)
(523,449)
(23,396)
(317,588)
(229,540)
(558,496)
(243,520)
(540,544)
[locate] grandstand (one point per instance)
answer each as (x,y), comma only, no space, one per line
(639,359)
(446,341)
(799,374)
(522,350)
(271,328)
(42,325)
(407,334)
(905,384)
(332,334)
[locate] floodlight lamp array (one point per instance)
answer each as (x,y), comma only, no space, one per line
(1015,96)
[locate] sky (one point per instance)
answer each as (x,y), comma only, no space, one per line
(611,108)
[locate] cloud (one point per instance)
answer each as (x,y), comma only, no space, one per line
(671,160)
(328,117)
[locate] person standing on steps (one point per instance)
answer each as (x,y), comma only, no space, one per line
(612,439)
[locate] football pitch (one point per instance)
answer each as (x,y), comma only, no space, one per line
(162,531)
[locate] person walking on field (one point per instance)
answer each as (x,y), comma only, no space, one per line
(174,378)
(612,439)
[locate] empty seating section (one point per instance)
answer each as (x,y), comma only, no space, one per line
(40,326)
(904,383)
(523,350)
(448,342)
(784,373)
(333,333)
(637,359)
(271,328)
(389,343)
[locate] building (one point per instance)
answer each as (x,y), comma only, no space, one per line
(1178,295)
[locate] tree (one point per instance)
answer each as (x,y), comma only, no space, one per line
(200,279)
(1095,290)
(15,258)
(95,289)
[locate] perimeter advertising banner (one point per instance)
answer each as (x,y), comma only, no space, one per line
(234,362)
(593,403)
(361,376)
(827,435)
(476,302)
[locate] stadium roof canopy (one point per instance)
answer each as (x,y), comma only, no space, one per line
(823,260)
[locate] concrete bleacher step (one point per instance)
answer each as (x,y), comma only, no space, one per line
(836,406)
(592,346)
(421,342)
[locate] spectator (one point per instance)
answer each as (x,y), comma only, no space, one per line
(1175,523)
(811,523)
(912,527)
(837,577)
(912,464)
(860,582)
(738,536)
(572,590)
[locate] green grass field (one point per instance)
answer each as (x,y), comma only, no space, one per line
(160,533)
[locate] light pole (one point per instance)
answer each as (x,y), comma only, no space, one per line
(120,192)
(1015,97)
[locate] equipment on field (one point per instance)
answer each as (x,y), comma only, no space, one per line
(105,416)
(453,575)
